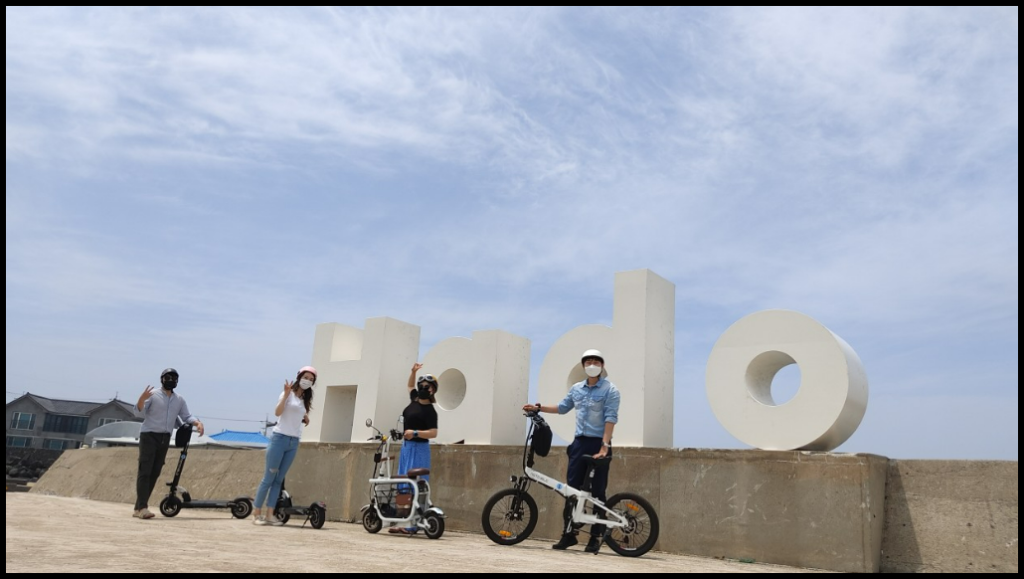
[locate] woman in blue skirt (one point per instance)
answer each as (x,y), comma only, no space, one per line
(420,427)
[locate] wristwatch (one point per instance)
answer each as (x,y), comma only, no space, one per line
(415,433)
(607,444)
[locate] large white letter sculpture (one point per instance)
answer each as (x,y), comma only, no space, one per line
(363,374)
(639,352)
(484,382)
(833,393)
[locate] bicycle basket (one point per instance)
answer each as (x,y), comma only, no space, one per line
(541,439)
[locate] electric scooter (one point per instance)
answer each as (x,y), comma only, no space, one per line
(399,500)
(316,513)
(241,507)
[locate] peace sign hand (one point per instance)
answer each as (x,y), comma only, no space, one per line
(140,405)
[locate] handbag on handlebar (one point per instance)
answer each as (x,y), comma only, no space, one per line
(541,438)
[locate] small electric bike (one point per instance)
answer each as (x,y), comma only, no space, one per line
(399,500)
(510,516)
(241,507)
(315,514)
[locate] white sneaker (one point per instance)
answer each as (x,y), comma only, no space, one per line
(259,521)
(273,521)
(143,514)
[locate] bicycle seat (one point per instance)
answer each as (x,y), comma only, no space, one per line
(598,462)
(416,473)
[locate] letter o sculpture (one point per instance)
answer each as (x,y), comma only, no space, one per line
(833,395)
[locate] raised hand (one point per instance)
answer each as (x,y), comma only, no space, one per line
(140,405)
(288,386)
(416,368)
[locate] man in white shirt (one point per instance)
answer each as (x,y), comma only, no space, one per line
(161,409)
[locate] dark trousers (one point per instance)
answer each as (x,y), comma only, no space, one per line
(577,475)
(152,454)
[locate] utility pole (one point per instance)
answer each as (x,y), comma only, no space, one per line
(267,424)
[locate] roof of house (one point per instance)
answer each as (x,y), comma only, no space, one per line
(231,436)
(75,408)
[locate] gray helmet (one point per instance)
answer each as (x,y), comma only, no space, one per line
(429,380)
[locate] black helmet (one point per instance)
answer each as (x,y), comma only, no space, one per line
(169,372)
(429,381)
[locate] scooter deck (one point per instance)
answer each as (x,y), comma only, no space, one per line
(208,504)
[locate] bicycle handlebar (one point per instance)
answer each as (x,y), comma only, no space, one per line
(535,417)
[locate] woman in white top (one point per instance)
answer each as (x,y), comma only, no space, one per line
(293,413)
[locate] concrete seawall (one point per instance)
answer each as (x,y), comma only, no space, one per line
(811,510)
(951,517)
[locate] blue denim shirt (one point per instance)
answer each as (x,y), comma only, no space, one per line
(595,406)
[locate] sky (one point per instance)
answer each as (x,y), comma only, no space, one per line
(200,188)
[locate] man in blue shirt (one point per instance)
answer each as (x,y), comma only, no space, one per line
(596,401)
(161,409)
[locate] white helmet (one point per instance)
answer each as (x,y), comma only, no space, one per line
(592,354)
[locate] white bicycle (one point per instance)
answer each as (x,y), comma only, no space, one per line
(510,516)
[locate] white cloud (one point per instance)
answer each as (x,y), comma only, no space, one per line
(467,168)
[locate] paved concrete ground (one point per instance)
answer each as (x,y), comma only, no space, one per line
(60,535)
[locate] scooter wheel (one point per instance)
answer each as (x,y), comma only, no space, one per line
(170,507)
(435,527)
(317,516)
(371,522)
(282,517)
(241,509)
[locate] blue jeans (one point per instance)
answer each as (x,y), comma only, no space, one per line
(280,456)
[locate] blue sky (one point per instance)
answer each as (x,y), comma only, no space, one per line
(199,188)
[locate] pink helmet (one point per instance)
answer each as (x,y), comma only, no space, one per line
(309,369)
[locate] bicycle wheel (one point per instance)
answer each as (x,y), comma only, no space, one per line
(642,527)
(510,516)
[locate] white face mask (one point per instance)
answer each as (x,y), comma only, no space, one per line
(593,371)
(305,384)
